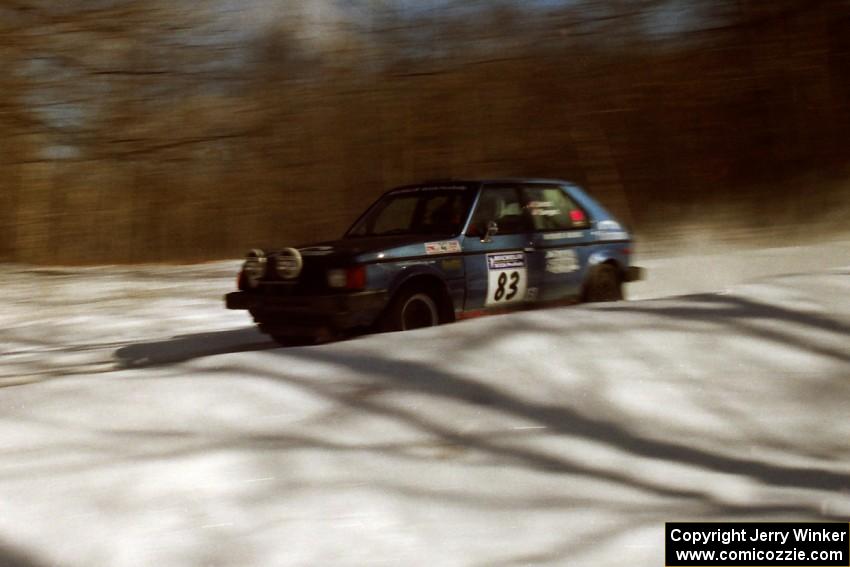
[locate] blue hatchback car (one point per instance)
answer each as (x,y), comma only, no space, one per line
(435,252)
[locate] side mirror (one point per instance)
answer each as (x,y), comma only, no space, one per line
(492,230)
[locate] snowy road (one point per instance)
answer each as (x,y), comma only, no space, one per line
(143,424)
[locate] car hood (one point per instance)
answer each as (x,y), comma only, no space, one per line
(370,248)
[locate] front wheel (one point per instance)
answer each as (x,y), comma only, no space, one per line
(412,309)
(604,283)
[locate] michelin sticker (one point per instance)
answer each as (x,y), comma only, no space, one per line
(561,261)
(447,247)
(507,278)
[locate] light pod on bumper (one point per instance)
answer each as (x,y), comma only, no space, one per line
(254,267)
(288,263)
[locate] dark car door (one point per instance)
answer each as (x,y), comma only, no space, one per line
(561,240)
(500,268)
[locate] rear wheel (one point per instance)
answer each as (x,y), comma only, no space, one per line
(414,308)
(604,283)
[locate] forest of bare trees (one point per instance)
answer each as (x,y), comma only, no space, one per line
(168,130)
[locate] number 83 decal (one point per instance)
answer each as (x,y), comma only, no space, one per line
(510,293)
(506,283)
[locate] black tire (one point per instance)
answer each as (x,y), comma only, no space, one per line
(604,283)
(412,308)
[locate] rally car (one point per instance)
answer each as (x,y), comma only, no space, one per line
(435,252)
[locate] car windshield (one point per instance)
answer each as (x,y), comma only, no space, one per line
(418,210)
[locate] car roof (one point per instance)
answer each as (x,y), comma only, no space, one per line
(496,180)
(471,183)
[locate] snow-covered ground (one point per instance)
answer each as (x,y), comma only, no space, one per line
(143,424)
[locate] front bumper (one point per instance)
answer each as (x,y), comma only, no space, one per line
(304,314)
(635,273)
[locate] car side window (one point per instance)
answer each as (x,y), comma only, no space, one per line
(551,208)
(443,214)
(499,204)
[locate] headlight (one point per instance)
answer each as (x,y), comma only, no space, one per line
(348,278)
(254,267)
